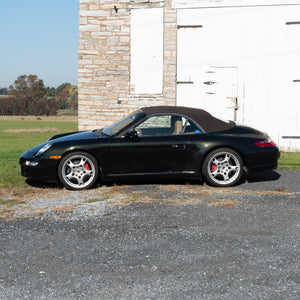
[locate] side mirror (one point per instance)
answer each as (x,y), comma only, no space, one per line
(132,134)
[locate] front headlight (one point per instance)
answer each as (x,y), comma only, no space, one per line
(31,163)
(43,149)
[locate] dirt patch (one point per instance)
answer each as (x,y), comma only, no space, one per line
(276,192)
(224,202)
(6,214)
(62,203)
(62,118)
(169,187)
(32,130)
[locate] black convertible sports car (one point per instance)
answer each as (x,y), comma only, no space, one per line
(153,142)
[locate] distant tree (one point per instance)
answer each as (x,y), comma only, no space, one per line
(3,91)
(51,91)
(29,96)
(62,99)
(61,87)
(73,97)
(25,106)
(67,96)
(30,87)
(37,90)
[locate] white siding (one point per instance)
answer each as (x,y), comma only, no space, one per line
(229,3)
(146,51)
(265,51)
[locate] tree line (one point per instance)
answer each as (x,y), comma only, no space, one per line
(29,96)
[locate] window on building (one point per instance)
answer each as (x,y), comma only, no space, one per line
(146,51)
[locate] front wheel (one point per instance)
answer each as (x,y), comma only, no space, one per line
(78,171)
(223,167)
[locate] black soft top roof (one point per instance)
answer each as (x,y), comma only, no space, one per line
(200,116)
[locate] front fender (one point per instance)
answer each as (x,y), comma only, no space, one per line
(62,135)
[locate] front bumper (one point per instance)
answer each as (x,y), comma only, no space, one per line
(45,170)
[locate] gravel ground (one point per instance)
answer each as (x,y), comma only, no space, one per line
(154,241)
(56,202)
(274,180)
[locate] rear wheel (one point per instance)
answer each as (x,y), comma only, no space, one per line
(78,171)
(223,167)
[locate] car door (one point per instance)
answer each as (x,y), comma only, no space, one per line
(159,147)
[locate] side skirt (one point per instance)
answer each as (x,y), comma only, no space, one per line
(156,175)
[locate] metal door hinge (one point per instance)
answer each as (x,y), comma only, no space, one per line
(189,26)
(185,82)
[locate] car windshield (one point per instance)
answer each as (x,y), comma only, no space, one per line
(117,127)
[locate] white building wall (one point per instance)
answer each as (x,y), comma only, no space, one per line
(253,51)
(229,3)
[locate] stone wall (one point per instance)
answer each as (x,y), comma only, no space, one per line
(104,61)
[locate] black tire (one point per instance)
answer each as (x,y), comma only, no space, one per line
(78,171)
(223,167)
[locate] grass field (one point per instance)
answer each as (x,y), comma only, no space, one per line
(290,161)
(17,134)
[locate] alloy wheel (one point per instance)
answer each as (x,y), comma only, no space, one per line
(223,167)
(78,171)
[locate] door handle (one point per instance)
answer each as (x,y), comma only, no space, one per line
(179,146)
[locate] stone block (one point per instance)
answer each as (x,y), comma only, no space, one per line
(89,27)
(94,13)
(112,40)
(88,1)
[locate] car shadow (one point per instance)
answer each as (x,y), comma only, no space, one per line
(262,176)
(249,178)
(43,185)
(153,182)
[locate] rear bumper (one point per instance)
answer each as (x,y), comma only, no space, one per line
(264,160)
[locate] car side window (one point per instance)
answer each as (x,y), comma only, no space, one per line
(191,128)
(161,125)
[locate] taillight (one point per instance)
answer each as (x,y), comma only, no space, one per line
(265,143)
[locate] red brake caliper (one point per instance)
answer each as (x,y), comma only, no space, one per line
(87,166)
(213,167)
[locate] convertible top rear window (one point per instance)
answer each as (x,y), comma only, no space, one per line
(206,121)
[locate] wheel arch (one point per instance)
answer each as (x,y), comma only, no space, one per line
(78,150)
(211,149)
(227,174)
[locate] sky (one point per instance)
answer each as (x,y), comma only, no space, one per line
(39,37)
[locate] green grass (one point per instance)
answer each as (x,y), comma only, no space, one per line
(11,202)
(14,143)
(97,199)
(64,112)
(289,161)
(135,197)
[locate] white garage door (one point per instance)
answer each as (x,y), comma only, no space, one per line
(243,63)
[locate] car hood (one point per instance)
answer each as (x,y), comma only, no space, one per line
(74,136)
(63,137)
